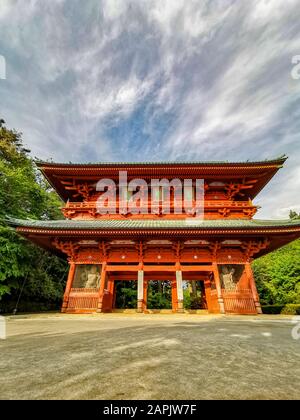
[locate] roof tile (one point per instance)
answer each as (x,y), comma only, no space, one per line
(133,224)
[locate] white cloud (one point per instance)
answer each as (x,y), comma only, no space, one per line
(211,81)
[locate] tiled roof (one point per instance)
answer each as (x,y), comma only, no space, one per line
(140,224)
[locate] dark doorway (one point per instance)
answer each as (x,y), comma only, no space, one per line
(126,294)
(194,295)
(159,294)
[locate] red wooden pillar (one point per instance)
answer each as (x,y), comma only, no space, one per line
(252,284)
(114,297)
(68,286)
(174,296)
(110,289)
(218,287)
(101,287)
(207,288)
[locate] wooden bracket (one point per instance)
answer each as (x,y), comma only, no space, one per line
(214,248)
(253,247)
(68,247)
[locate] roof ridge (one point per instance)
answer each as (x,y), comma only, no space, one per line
(281,158)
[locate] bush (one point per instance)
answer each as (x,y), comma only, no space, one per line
(29,307)
(272,309)
(291,309)
(277,275)
(288,309)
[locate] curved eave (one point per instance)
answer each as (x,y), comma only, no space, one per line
(160,231)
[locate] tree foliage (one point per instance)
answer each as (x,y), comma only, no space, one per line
(126,294)
(277,274)
(24,194)
(159,295)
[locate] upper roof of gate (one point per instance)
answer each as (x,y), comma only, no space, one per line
(63,176)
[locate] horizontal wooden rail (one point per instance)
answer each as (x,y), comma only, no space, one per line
(157,267)
(207,204)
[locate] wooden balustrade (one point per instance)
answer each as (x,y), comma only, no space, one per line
(83,300)
(222,208)
(238,301)
(207,203)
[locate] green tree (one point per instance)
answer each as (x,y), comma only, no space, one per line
(294,215)
(159,295)
(277,274)
(24,194)
(126,294)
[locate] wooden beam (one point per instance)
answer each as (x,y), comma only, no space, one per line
(123,267)
(207,288)
(101,287)
(252,284)
(157,267)
(68,286)
(219,288)
(196,268)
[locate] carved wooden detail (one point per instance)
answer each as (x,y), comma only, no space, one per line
(92,212)
(104,247)
(67,247)
(214,248)
(83,189)
(68,213)
(213,209)
(224,212)
(234,189)
(177,248)
(250,212)
(141,248)
(253,247)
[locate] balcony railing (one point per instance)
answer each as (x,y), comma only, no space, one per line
(223,207)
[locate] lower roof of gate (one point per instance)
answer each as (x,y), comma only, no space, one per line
(141,224)
(43,232)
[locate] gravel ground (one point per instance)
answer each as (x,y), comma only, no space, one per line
(120,356)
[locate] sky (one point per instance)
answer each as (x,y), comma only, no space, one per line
(140,80)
